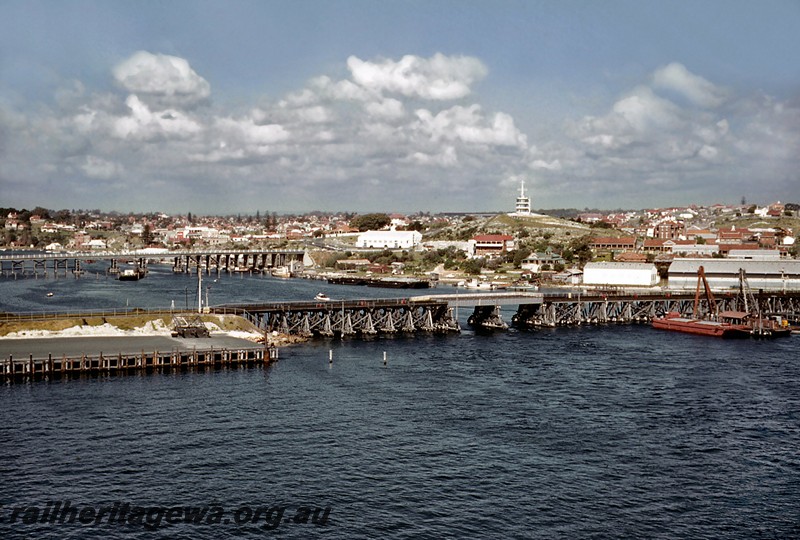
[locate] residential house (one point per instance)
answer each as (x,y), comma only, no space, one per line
(535,262)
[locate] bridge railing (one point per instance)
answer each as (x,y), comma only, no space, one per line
(114,254)
(325,304)
(94,313)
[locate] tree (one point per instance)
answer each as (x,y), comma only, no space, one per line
(370,222)
(519,256)
(472,266)
(147,235)
(581,250)
(43,213)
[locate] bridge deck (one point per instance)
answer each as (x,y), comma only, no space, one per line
(93,255)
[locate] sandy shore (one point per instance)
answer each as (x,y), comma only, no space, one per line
(151,329)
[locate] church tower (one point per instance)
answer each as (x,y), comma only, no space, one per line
(523,207)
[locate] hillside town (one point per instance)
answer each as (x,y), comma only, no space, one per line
(545,246)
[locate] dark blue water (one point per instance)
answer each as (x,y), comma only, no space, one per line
(592,432)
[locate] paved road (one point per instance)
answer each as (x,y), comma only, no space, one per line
(74,346)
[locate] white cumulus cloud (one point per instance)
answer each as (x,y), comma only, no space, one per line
(677,78)
(162,80)
(145,124)
(467,124)
(438,78)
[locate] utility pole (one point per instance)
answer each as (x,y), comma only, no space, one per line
(199,289)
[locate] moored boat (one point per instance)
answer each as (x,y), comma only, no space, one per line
(281,272)
(675,322)
(479,285)
(749,322)
(131,274)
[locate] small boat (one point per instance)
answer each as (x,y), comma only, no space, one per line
(130,274)
(49,294)
(775,326)
(281,272)
(479,285)
(322,296)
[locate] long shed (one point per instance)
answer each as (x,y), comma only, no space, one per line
(620,274)
(783,274)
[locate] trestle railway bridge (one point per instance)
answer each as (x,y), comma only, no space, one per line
(183,261)
(348,317)
(439,313)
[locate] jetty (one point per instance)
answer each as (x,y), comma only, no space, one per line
(117,363)
(189,345)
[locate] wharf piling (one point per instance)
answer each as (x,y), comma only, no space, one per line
(100,363)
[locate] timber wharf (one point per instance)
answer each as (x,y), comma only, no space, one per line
(99,363)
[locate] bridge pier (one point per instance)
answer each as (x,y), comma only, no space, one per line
(487,317)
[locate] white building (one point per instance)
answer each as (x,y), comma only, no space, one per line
(620,274)
(699,250)
(755,254)
(389,239)
(96,244)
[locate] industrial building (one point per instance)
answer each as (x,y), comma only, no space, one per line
(620,274)
(774,275)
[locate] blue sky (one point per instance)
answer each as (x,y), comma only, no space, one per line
(219,107)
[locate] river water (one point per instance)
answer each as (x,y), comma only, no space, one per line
(590,432)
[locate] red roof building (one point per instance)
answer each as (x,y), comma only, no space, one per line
(625,243)
(492,244)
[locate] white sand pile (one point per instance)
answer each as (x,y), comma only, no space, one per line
(241,334)
(151,328)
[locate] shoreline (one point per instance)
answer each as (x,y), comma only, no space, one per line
(153,328)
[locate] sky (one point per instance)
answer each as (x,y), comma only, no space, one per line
(220,107)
